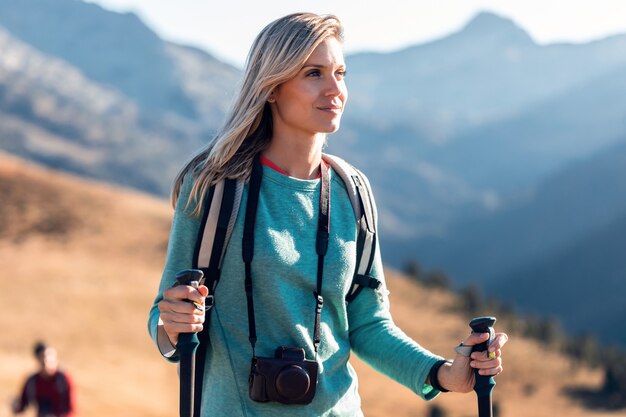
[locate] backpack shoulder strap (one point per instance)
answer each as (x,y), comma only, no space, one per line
(360,194)
(218,220)
(61,382)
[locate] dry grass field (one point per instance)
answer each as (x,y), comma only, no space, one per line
(80,264)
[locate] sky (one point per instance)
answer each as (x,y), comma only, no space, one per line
(226,28)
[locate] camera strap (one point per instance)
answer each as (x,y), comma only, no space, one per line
(321,246)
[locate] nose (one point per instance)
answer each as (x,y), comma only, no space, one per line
(335,87)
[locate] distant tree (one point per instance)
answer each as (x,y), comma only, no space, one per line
(495,407)
(549,332)
(545,330)
(505,309)
(413,270)
(614,386)
(612,376)
(437,411)
(529,389)
(471,299)
(438,279)
(585,347)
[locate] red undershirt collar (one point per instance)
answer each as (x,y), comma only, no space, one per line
(268,163)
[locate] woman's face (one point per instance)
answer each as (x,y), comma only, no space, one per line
(312,102)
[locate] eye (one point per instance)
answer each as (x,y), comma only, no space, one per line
(341,73)
(313,73)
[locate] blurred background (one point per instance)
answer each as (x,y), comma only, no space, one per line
(493,133)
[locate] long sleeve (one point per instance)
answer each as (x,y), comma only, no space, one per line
(180,249)
(376,339)
(70,397)
(21,402)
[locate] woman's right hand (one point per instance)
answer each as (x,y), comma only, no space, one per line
(178,314)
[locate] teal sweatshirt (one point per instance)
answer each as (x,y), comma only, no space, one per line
(284,278)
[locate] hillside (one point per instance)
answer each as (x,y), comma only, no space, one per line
(580,198)
(81,263)
(569,229)
(580,268)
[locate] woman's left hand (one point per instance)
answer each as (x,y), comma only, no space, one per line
(459,376)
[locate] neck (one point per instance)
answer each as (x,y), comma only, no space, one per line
(299,158)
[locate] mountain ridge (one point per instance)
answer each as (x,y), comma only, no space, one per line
(109,47)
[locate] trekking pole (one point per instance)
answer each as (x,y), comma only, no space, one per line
(483,384)
(186,346)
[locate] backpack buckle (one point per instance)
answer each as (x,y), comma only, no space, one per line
(374,283)
(209,302)
(368,282)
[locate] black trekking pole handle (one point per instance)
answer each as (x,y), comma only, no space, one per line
(483,385)
(186,346)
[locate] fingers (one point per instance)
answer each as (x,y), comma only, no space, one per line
(486,355)
(203,290)
(182,309)
(186,292)
(487,362)
(498,341)
(176,322)
(187,325)
(487,367)
(475,338)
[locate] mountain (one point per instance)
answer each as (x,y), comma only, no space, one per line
(53,114)
(488,70)
(116,50)
(75,93)
(461,137)
(93,255)
(388,141)
(485,168)
(208,82)
(470,122)
(583,283)
(561,245)
(542,139)
(584,197)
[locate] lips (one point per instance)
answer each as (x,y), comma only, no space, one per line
(331,109)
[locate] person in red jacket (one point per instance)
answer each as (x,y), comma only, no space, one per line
(49,389)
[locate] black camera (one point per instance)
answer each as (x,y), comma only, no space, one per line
(287,378)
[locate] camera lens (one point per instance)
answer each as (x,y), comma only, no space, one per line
(293,382)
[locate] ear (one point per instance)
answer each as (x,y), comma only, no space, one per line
(271,98)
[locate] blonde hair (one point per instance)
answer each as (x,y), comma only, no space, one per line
(277,54)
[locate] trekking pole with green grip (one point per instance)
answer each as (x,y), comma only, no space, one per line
(483,385)
(186,346)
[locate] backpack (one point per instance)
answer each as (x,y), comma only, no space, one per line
(218,220)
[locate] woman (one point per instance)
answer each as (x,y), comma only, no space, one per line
(293,94)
